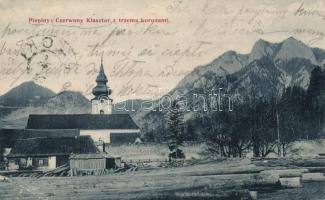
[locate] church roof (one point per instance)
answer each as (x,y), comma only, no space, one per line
(53,146)
(81,121)
(101,88)
(101,77)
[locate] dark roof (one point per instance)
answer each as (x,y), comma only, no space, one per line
(101,88)
(101,77)
(53,146)
(9,136)
(32,133)
(81,121)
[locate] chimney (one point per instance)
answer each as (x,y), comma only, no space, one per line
(101,145)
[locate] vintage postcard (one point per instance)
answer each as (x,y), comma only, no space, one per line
(162,100)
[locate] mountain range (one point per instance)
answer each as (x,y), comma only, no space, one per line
(263,73)
(278,65)
(30,98)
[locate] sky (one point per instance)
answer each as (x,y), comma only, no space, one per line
(45,41)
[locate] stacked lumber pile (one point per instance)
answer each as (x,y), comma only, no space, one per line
(59,171)
(127,168)
(97,172)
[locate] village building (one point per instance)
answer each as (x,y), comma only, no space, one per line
(48,152)
(8,137)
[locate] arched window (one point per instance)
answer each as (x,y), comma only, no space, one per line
(101,112)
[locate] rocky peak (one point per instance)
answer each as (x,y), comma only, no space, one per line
(262,48)
(292,48)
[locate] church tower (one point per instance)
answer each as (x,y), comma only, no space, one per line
(101,103)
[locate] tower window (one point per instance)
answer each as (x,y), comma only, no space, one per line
(101,112)
(102,101)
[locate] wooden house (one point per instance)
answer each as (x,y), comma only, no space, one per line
(48,152)
(86,162)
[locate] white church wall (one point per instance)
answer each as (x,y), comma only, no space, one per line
(104,135)
(97,135)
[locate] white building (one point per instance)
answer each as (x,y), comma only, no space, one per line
(101,124)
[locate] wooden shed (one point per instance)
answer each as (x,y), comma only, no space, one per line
(93,161)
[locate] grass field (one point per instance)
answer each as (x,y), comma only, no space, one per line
(201,180)
(194,150)
(155,151)
(228,179)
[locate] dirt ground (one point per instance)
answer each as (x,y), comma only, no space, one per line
(230,179)
(309,191)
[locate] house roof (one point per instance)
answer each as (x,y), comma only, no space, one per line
(31,133)
(81,121)
(53,146)
(9,136)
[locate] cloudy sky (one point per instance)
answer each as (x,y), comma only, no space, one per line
(45,41)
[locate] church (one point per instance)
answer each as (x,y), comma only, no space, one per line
(49,140)
(101,125)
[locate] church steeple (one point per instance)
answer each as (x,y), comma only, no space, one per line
(102,103)
(101,88)
(101,75)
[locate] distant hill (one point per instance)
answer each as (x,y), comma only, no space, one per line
(26,94)
(128,107)
(67,102)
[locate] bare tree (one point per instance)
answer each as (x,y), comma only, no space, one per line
(227,134)
(262,122)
